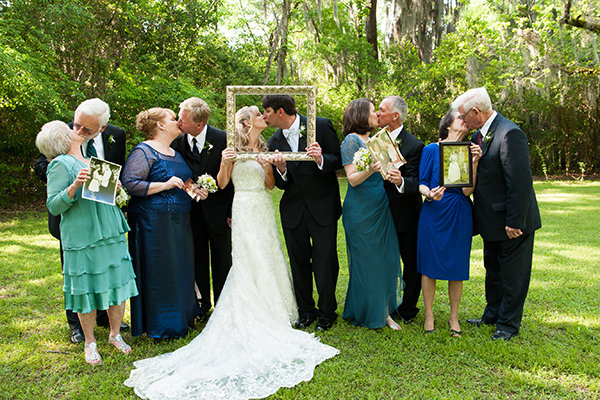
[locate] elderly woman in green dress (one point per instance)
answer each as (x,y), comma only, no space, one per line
(98,274)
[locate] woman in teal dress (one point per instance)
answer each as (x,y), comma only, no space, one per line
(371,239)
(98,274)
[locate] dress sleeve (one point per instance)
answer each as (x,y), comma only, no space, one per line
(426,165)
(350,145)
(59,179)
(136,172)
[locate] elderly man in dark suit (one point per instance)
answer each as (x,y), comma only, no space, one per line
(102,141)
(310,207)
(506,211)
(402,188)
(201,145)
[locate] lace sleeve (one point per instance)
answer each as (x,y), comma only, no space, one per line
(350,145)
(136,171)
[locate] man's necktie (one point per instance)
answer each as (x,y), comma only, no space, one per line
(90,151)
(479,138)
(195,150)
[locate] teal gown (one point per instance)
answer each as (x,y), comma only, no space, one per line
(372,247)
(97,266)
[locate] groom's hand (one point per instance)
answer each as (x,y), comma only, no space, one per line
(314,150)
(278,161)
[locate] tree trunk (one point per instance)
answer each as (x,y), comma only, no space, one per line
(372,28)
(282,53)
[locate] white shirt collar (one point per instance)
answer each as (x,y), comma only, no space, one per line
(200,139)
(484,129)
(394,134)
(294,128)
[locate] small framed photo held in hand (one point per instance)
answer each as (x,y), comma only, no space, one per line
(101,186)
(456,164)
(385,150)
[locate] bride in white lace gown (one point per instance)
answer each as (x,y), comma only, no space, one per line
(248,348)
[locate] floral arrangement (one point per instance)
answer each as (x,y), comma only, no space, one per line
(122,198)
(111,139)
(302,130)
(207,182)
(208,147)
(488,139)
(399,142)
(362,159)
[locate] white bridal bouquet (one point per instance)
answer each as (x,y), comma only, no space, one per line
(207,182)
(362,159)
(122,198)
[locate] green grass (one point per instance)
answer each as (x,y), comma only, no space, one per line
(556,354)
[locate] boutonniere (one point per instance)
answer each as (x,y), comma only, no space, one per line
(488,138)
(302,130)
(208,147)
(399,141)
(111,139)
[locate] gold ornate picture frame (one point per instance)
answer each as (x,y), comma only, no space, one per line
(311,101)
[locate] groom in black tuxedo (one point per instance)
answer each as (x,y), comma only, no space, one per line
(201,145)
(506,211)
(310,207)
(402,188)
(103,141)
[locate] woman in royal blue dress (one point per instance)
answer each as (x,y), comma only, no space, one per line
(160,240)
(445,225)
(371,239)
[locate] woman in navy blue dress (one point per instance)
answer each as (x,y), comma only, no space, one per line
(371,239)
(445,225)
(160,240)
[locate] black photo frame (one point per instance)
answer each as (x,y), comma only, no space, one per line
(456,164)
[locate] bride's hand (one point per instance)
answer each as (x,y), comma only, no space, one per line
(228,155)
(263,161)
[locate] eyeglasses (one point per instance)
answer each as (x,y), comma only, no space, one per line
(464,116)
(85,130)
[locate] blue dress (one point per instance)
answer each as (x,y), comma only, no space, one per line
(161,245)
(97,266)
(372,247)
(445,226)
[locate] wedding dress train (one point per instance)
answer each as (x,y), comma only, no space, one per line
(248,348)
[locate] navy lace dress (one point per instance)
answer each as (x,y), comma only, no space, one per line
(372,247)
(161,244)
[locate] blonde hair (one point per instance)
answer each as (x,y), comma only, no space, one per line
(147,120)
(198,109)
(242,140)
(54,139)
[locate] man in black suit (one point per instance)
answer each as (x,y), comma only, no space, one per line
(91,122)
(506,211)
(200,146)
(310,206)
(402,187)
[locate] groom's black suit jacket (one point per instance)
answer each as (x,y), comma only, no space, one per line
(504,194)
(114,151)
(216,208)
(307,186)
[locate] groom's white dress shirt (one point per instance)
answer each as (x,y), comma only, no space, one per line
(200,140)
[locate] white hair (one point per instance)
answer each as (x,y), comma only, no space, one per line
(95,108)
(477,97)
(399,106)
(54,139)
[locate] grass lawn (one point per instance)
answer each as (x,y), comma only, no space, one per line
(556,355)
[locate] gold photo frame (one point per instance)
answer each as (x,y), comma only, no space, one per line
(385,150)
(311,116)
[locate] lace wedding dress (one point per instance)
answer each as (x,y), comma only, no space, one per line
(248,348)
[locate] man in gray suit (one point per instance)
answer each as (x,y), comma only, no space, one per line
(506,211)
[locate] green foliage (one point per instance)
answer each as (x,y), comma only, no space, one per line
(554,357)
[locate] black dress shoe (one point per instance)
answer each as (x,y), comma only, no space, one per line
(124,326)
(479,321)
(305,321)
(503,335)
(77,336)
(323,325)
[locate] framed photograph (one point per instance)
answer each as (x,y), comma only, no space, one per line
(385,150)
(311,116)
(101,186)
(456,164)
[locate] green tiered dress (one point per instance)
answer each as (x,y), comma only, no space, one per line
(97,266)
